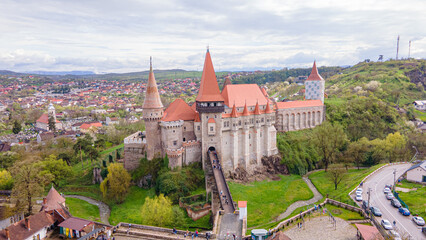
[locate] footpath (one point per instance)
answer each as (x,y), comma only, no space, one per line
(104,210)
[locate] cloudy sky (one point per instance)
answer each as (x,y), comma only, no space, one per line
(120,35)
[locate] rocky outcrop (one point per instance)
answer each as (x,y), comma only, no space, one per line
(271,167)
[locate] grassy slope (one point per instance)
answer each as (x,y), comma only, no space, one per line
(414,199)
(83,209)
(352,179)
(343,213)
(267,199)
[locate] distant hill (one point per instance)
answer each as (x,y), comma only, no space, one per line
(58,73)
(398,82)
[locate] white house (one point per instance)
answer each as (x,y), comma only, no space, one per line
(420,105)
(417,173)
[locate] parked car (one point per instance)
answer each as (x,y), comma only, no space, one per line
(404,211)
(395,235)
(386,190)
(390,196)
(386,224)
(365,204)
(424,230)
(359,191)
(388,186)
(419,220)
(358,197)
(396,203)
(376,211)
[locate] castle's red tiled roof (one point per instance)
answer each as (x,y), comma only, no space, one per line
(241,94)
(209,88)
(299,104)
(245,111)
(256,109)
(152,97)
(211,120)
(178,110)
(314,76)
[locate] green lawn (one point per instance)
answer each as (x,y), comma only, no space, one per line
(352,179)
(130,211)
(267,199)
(414,199)
(111,149)
(83,209)
(343,213)
(420,114)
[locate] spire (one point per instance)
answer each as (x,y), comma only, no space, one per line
(245,112)
(268,108)
(152,97)
(226,82)
(209,89)
(314,76)
(256,109)
(234,112)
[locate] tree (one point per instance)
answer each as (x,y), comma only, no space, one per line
(116,184)
(157,211)
(29,183)
(7,159)
(58,169)
(6,180)
(336,174)
(329,140)
(83,144)
(52,124)
(395,144)
(16,127)
(357,150)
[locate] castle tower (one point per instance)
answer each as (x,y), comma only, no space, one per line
(314,85)
(51,112)
(210,105)
(152,111)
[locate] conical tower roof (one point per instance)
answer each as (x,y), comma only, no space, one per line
(152,97)
(268,108)
(314,76)
(234,112)
(257,109)
(209,88)
(226,82)
(246,112)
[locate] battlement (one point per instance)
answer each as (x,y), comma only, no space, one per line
(174,152)
(191,143)
(172,124)
(136,138)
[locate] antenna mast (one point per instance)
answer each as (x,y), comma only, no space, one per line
(409,48)
(397,48)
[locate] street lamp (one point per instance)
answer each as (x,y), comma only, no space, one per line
(368,202)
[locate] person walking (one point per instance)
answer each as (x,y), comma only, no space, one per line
(196,232)
(233,236)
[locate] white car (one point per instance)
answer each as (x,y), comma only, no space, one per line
(358,197)
(419,221)
(395,235)
(359,191)
(386,224)
(387,190)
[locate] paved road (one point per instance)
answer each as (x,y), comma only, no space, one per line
(404,224)
(104,210)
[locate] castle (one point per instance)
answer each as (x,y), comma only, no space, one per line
(240,123)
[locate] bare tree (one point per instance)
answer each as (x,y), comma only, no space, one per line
(336,173)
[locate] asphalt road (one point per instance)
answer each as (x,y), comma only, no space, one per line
(404,225)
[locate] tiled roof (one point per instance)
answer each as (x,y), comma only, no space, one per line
(314,76)
(209,89)
(242,204)
(241,94)
(44,118)
(53,200)
(37,222)
(257,109)
(299,104)
(245,111)
(211,120)
(421,164)
(75,223)
(88,125)
(369,232)
(178,110)
(152,97)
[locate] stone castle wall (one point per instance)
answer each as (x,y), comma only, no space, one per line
(293,119)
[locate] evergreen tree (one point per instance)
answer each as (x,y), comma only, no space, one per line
(52,124)
(16,127)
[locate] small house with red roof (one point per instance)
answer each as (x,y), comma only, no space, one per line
(43,121)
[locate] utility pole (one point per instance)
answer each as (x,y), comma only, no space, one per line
(368,203)
(394,179)
(409,48)
(397,48)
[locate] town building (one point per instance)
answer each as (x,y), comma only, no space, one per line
(43,121)
(240,123)
(417,173)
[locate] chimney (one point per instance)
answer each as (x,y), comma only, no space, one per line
(6,231)
(27,223)
(44,201)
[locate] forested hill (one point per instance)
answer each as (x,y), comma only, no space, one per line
(281,75)
(399,82)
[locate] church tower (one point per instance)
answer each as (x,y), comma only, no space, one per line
(210,105)
(152,111)
(314,85)
(51,112)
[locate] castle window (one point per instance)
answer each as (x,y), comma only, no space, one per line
(184,128)
(174,143)
(211,129)
(198,128)
(260,134)
(173,130)
(263,120)
(184,139)
(239,122)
